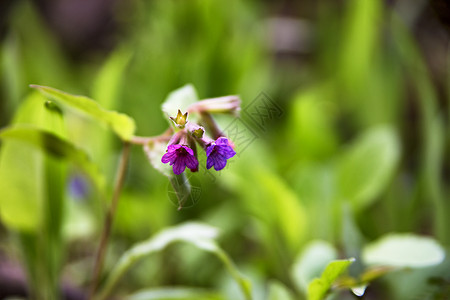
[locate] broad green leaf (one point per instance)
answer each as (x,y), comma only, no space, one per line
(22,169)
(175,293)
(109,81)
(21,187)
(32,189)
(319,287)
(121,124)
(359,44)
(277,291)
(107,90)
(367,166)
(288,211)
(404,250)
(274,203)
(54,146)
(312,261)
(200,235)
(312,116)
(179,99)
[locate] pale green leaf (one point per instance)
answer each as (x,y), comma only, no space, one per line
(200,235)
(312,261)
(22,169)
(278,291)
(175,293)
(179,99)
(404,250)
(366,168)
(109,81)
(287,209)
(21,192)
(55,146)
(319,287)
(121,124)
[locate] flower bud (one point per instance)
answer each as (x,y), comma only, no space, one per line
(224,105)
(180,120)
(196,130)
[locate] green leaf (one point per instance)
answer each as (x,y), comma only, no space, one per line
(319,287)
(32,189)
(200,235)
(286,209)
(107,89)
(366,168)
(312,261)
(179,99)
(22,168)
(312,116)
(175,293)
(121,124)
(109,81)
(360,40)
(55,146)
(404,250)
(277,291)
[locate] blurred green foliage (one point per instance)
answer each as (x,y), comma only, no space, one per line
(360,151)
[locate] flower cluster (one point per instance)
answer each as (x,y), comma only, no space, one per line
(182,151)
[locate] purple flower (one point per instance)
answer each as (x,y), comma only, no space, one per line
(180,157)
(218,153)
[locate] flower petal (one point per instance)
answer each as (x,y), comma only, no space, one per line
(179,166)
(209,162)
(226,151)
(188,150)
(219,162)
(209,149)
(169,157)
(222,141)
(173,147)
(191,162)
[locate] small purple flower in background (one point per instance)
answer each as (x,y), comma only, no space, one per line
(78,187)
(180,157)
(218,153)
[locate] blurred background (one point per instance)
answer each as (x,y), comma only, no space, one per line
(356,146)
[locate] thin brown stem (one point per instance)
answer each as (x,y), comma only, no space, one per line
(141,140)
(100,257)
(144,140)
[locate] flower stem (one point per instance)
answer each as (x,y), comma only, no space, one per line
(144,140)
(100,257)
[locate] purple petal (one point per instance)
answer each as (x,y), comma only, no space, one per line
(226,151)
(219,162)
(222,141)
(209,149)
(174,147)
(191,162)
(189,150)
(168,157)
(179,166)
(209,162)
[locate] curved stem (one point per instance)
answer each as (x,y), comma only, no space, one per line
(144,140)
(100,257)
